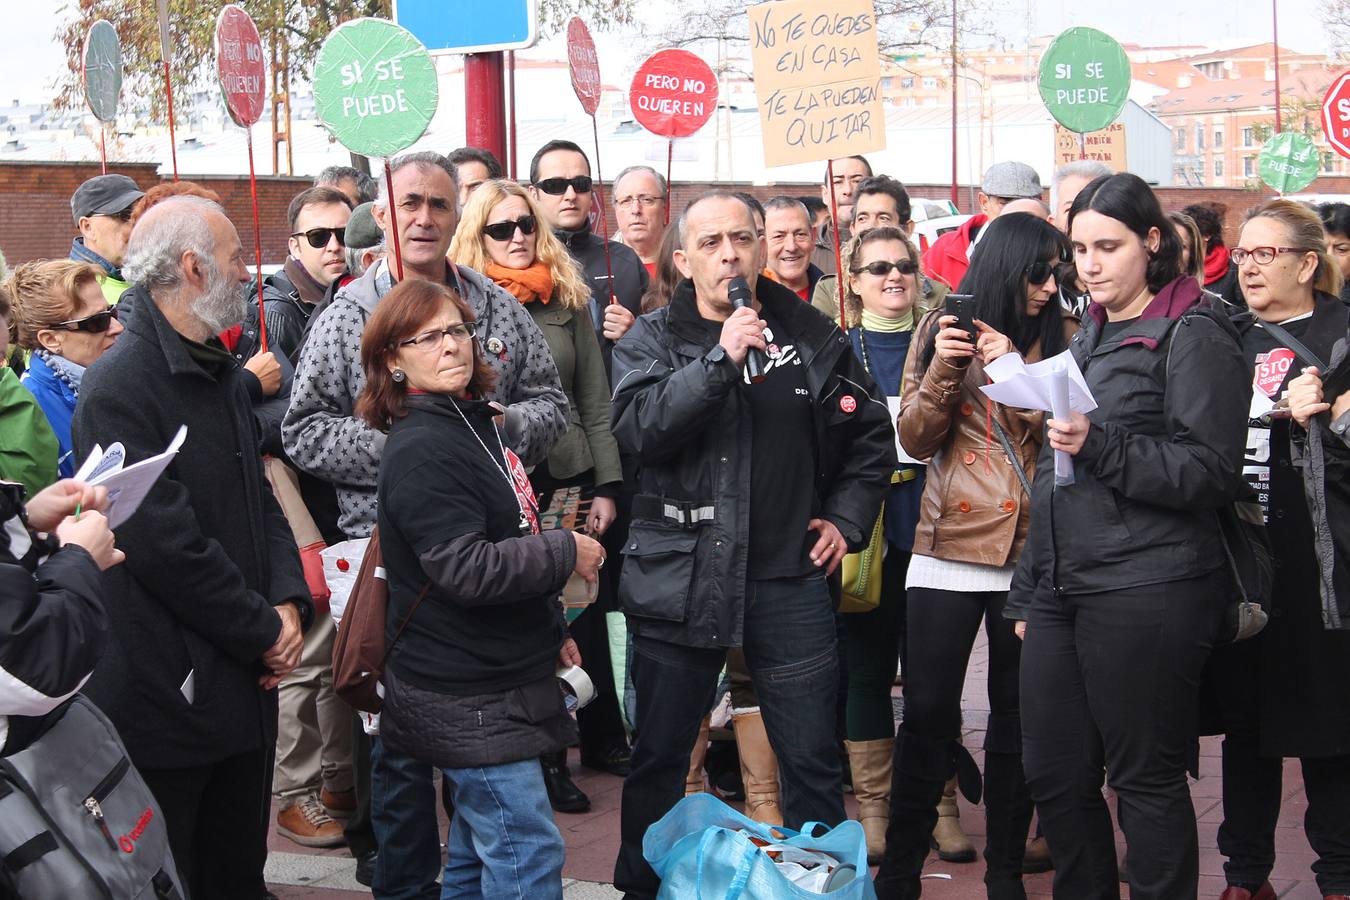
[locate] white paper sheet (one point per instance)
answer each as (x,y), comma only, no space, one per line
(893,403)
(127,486)
(1055,385)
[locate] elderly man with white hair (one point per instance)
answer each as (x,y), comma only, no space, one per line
(208,611)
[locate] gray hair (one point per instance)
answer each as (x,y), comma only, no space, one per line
(715,194)
(354,255)
(785,202)
(1090,169)
(155,251)
(426,158)
(660,179)
(335,175)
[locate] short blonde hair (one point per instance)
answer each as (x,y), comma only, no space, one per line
(45,293)
(1306,233)
(852,302)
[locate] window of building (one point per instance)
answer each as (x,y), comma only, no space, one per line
(1247,137)
(1218,138)
(1218,167)
(1248,166)
(930,83)
(908,84)
(1328,161)
(1181,137)
(1199,137)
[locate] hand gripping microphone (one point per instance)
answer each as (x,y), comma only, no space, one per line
(738,292)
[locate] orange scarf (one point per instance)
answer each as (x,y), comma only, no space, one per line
(526,285)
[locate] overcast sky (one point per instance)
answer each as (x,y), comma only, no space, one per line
(33,59)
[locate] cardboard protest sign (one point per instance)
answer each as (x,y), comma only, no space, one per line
(1105,146)
(673,93)
(584,65)
(1084,79)
(1289,162)
(240,65)
(102,70)
(374,87)
(818,80)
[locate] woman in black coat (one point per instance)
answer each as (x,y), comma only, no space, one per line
(1122,583)
(1286,692)
(474,625)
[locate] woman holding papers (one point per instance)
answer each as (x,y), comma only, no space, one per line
(64,319)
(1124,578)
(972,524)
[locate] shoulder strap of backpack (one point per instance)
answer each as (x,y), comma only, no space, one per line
(1282,336)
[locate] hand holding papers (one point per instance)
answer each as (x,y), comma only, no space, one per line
(127,486)
(1055,385)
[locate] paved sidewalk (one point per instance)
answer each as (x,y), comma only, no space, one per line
(592,838)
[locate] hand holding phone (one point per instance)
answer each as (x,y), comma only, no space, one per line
(963,307)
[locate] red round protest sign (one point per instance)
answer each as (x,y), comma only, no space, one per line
(585,65)
(240,65)
(1336,114)
(673,94)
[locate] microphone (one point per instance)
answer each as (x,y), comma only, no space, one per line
(738,292)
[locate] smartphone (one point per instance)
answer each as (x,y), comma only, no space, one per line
(963,307)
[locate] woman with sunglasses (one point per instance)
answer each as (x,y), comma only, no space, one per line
(500,235)
(1286,692)
(67,323)
(1125,574)
(972,524)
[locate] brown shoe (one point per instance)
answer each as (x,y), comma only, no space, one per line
(1036,858)
(338,804)
(308,825)
(1264,892)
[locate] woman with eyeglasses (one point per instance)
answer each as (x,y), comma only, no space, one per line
(64,319)
(500,235)
(1286,692)
(1124,578)
(972,524)
(475,628)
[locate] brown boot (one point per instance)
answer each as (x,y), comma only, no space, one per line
(308,825)
(871,763)
(759,768)
(693,782)
(951,842)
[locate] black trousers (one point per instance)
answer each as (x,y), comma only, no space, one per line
(1110,681)
(217,818)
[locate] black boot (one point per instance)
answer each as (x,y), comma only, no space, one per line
(919,771)
(563,794)
(1007,816)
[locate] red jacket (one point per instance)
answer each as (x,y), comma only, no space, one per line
(947,259)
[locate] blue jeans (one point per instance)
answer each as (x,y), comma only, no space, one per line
(503,842)
(790,648)
(403,817)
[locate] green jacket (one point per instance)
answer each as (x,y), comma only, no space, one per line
(28,448)
(588,442)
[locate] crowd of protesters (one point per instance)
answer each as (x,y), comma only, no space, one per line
(725,459)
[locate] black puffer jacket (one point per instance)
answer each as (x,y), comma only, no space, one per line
(676,409)
(1163,453)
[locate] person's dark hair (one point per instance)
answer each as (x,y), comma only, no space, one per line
(411,307)
(667,276)
(782,201)
(366,187)
(814,206)
(1128,199)
(885,184)
(428,159)
(825,178)
(321,195)
(464,155)
(550,147)
(997,278)
(1207,219)
(1335,218)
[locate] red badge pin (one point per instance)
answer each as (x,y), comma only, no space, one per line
(847,403)
(343,565)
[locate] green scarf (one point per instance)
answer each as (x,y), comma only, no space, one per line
(875,322)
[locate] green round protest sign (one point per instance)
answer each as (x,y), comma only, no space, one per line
(1084,79)
(102,70)
(1289,162)
(374,87)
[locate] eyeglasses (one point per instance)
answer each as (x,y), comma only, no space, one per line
(1039,272)
(1264,256)
(121,216)
(882,267)
(558,186)
(504,231)
(319,237)
(433,340)
(98,323)
(644,201)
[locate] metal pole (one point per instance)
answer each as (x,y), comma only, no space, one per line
(954,74)
(515,121)
(484,102)
(1275,34)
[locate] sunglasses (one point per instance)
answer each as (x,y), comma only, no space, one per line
(504,231)
(558,186)
(319,237)
(1039,272)
(98,323)
(121,216)
(882,267)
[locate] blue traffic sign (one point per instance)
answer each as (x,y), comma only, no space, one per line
(470,26)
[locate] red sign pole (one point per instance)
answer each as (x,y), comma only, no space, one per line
(670,163)
(173,143)
(600,202)
(257,245)
(838,255)
(103,147)
(393,219)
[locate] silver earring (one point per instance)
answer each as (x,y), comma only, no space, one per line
(398,376)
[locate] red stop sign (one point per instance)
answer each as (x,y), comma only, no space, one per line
(673,94)
(585,65)
(240,65)
(1336,114)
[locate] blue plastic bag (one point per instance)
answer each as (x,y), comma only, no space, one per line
(699,854)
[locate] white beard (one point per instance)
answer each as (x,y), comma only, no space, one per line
(223,304)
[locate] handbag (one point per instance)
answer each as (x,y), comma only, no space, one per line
(861,571)
(308,539)
(359,652)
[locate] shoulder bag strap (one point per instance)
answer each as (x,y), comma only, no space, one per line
(1006,443)
(1282,335)
(426,589)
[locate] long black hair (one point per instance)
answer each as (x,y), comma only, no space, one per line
(997,278)
(1128,199)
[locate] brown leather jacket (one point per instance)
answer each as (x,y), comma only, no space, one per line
(974,509)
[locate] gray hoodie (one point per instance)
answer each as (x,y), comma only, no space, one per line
(323,437)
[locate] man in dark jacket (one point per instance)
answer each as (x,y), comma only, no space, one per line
(750,494)
(208,611)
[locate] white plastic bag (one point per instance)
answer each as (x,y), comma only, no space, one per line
(341,562)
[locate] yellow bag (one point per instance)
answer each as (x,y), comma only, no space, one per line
(862,572)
